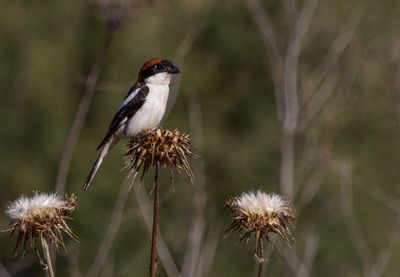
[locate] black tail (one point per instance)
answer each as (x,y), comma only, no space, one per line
(93,172)
(104,151)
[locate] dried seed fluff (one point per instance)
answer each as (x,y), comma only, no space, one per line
(260,213)
(43,215)
(24,207)
(261,203)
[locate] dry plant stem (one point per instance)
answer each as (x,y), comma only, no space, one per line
(207,252)
(112,230)
(164,254)
(80,117)
(261,257)
(3,270)
(196,236)
(46,251)
(153,256)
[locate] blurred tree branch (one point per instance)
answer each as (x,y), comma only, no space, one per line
(285,76)
(208,250)
(271,49)
(300,101)
(198,222)
(73,260)
(266,29)
(80,117)
(179,57)
(310,251)
(284,72)
(116,15)
(291,106)
(397,78)
(21,264)
(387,199)
(112,230)
(293,261)
(371,268)
(3,271)
(290,9)
(309,88)
(291,67)
(322,98)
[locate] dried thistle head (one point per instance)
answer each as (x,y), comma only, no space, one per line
(41,216)
(260,213)
(169,148)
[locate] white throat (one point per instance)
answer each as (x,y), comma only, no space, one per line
(162,78)
(152,111)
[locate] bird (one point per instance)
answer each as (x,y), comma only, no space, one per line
(142,108)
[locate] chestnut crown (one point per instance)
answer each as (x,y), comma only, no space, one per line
(155,66)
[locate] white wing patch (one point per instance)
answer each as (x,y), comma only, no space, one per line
(128,99)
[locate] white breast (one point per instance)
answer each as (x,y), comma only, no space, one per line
(150,114)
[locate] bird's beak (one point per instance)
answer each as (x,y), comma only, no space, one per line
(173,69)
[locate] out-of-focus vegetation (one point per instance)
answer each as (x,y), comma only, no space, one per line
(339,164)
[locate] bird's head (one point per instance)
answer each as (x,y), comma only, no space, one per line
(157,71)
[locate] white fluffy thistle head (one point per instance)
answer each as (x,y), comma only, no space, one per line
(24,207)
(261,203)
(43,215)
(261,213)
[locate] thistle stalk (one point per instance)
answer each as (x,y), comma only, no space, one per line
(156,148)
(46,252)
(261,257)
(154,237)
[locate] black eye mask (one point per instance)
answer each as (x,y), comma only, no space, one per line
(163,66)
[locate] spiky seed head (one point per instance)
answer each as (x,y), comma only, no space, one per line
(261,213)
(169,148)
(43,215)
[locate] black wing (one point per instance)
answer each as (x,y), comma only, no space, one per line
(126,111)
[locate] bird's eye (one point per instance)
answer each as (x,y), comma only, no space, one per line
(158,67)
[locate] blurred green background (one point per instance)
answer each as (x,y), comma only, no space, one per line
(296,97)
